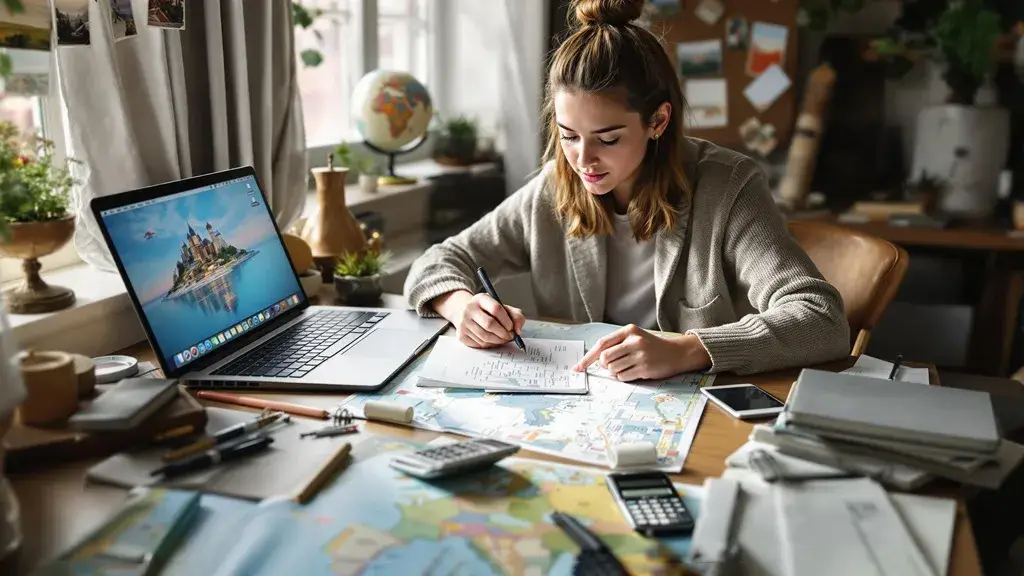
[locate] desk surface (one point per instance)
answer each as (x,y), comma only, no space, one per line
(969,236)
(57,507)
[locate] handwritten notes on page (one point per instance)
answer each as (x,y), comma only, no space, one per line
(545,367)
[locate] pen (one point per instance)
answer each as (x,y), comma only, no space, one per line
(895,367)
(233,451)
(222,436)
(595,557)
(482,274)
(297,409)
(326,472)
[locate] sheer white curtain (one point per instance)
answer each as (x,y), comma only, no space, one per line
(516,33)
(171,104)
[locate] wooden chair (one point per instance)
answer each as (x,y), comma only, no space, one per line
(866,270)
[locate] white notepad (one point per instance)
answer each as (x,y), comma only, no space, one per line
(545,367)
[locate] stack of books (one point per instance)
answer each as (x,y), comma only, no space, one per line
(903,435)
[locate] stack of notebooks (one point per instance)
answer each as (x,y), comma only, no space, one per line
(904,435)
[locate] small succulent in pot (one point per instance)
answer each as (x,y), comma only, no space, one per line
(357,277)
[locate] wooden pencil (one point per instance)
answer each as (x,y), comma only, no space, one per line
(325,473)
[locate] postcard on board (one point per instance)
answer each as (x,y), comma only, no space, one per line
(766,88)
(710,11)
(28,29)
(767,47)
(737,33)
(123,19)
(702,58)
(167,14)
(665,7)
(708,103)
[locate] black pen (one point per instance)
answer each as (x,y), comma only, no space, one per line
(895,367)
(595,557)
(482,274)
(249,445)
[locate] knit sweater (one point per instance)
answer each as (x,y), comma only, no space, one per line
(729,272)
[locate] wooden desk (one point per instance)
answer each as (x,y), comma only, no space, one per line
(57,508)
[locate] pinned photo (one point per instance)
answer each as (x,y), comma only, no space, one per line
(758,137)
(708,102)
(709,11)
(766,88)
(30,74)
(167,14)
(72,22)
(767,47)
(737,32)
(665,7)
(702,58)
(123,19)
(28,30)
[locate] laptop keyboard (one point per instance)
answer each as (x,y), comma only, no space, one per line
(303,347)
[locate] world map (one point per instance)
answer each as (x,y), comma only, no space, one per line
(397,101)
(374,520)
(578,427)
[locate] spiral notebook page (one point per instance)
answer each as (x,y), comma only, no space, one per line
(545,367)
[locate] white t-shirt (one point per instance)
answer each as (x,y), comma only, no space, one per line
(629,292)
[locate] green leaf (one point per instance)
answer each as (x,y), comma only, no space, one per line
(301,15)
(6,66)
(311,58)
(14,6)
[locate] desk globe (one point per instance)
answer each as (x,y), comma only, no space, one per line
(391,112)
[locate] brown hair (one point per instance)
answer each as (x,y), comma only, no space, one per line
(608,54)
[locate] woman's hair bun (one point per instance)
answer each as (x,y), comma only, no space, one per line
(614,12)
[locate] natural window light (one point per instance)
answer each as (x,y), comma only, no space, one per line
(355,37)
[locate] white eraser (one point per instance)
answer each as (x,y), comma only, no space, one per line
(387,411)
(633,454)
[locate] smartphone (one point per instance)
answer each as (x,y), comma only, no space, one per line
(744,400)
(650,502)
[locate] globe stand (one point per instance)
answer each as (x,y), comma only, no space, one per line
(392,179)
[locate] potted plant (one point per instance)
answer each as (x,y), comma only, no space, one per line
(357,276)
(368,171)
(960,140)
(457,142)
(35,219)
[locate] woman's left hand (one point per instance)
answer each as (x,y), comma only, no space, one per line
(632,353)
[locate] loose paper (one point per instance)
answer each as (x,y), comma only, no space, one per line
(546,367)
(29,29)
(708,103)
(710,11)
(871,367)
(702,58)
(766,89)
(767,47)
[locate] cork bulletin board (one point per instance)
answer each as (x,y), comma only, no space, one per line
(746,54)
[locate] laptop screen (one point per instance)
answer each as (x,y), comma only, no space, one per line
(206,265)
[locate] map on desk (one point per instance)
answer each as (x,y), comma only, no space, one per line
(373,520)
(578,427)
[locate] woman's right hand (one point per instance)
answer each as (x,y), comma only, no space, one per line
(479,319)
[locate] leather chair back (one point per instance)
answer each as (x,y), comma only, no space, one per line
(866,270)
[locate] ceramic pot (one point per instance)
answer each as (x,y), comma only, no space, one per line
(965,146)
(30,241)
(311,281)
(358,290)
(51,387)
(368,183)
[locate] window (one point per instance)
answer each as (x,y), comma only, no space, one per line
(41,115)
(355,37)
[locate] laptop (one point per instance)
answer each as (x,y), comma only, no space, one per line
(210,279)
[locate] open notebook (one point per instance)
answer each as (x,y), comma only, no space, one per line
(545,367)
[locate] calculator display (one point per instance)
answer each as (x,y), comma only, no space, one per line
(645,492)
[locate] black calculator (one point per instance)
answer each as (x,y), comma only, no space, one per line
(650,503)
(456,458)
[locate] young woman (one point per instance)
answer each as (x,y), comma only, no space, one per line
(633,223)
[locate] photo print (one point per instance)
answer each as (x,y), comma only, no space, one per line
(72,17)
(665,7)
(708,103)
(767,47)
(167,14)
(737,32)
(123,19)
(702,58)
(27,30)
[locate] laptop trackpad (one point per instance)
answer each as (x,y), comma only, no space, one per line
(384,343)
